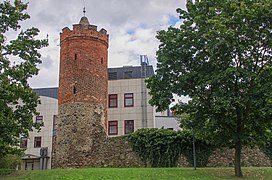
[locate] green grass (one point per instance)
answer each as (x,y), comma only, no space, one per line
(142,173)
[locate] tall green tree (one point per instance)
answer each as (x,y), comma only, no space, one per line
(220,57)
(15,117)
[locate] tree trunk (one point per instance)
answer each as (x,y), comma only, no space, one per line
(238,149)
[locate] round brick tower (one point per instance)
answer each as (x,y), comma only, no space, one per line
(83,65)
(83,91)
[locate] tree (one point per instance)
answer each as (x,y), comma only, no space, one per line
(221,58)
(18,61)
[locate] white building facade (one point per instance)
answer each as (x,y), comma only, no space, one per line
(41,141)
(128,110)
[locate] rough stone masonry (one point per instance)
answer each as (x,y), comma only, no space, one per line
(81,139)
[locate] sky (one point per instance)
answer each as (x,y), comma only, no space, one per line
(132,26)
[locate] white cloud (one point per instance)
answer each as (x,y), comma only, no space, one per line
(132,26)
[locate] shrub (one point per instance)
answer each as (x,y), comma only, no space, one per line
(10,161)
(162,147)
(267,149)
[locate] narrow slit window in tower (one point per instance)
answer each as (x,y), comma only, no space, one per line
(74,90)
(101,60)
(75,56)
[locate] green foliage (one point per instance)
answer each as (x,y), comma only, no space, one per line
(162,147)
(203,150)
(267,148)
(18,62)
(221,58)
(4,172)
(10,161)
(157,147)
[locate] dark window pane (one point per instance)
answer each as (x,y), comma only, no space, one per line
(112,76)
(39,119)
(113,127)
(129,126)
(128,75)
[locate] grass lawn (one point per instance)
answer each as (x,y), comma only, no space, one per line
(142,173)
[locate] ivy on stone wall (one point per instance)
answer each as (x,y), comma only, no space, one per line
(203,151)
(162,147)
(267,148)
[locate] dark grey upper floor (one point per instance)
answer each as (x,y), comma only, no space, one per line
(125,72)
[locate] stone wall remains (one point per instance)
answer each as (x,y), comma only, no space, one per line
(82,142)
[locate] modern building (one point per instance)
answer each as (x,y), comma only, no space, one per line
(38,144)
(92,100)
(128,110)
(166,120)
(128,107)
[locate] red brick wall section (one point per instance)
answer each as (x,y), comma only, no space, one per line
(83,66)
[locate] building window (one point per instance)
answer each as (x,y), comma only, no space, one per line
(101,60)
(112,76)
(128,100)
(113,127)
(23,142)
(113,100)
(75,56)
(39,119)
(37,142)
(129,126)
(127,74)
(74,90)
(54,125)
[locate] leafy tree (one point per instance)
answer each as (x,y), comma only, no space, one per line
(221,58)
(15,118)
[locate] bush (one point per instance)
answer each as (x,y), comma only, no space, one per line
(10,161)
(4,172)
(203,151)
(267,149)
(162,147)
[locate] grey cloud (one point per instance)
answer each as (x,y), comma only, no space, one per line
(118,17)
(47,62)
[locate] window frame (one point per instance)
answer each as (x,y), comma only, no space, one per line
(23,145)
(128,75)
(54,125)
(116,98)
(125,126)
(35,141)
(39,119)
(116,126)
(126,98)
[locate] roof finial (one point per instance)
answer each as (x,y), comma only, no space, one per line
(84,9)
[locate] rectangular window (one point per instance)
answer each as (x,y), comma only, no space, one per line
(54,125)
(39,119)
(23,142)
(129,126)
(113,100)
(128,100)
(113,127)
(128,75)
(112,76)
(37,142)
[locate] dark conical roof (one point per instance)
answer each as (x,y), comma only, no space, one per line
(84,21)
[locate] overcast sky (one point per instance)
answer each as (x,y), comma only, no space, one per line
(131,25)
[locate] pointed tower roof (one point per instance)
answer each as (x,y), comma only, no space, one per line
(84,21)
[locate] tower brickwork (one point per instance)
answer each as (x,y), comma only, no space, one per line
(82,98)
(83,64)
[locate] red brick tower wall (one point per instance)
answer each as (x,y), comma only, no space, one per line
(84,65)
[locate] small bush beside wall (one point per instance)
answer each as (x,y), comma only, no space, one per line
(9,163)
